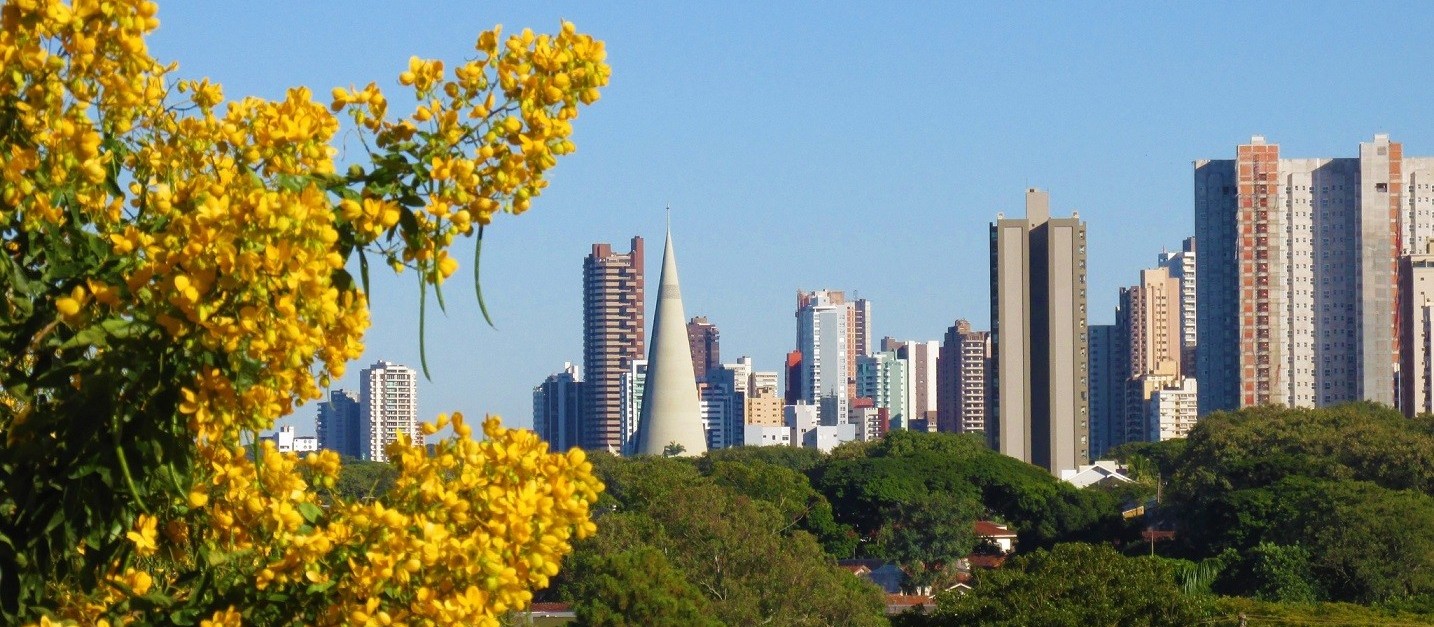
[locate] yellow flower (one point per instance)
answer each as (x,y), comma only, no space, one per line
(143,536)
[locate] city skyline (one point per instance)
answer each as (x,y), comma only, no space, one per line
(819,186)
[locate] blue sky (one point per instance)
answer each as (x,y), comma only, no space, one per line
(842,146)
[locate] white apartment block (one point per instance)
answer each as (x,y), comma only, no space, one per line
(822,336)
(631,386)
(1171,411)
(388,407)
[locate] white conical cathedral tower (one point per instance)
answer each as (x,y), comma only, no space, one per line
(671,412)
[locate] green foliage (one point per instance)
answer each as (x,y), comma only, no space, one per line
(904,465)
(1282,573)
(1071,584)
(636,587)
(1258,446)
(1321,503)
(1227,612)
(360,480)
(743,553)
(791,493)
(798,458)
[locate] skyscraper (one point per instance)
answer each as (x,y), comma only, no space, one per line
(822,336)
(1150,319)
(388,408)
(557,407)
(961,379)
(671,408)
(1298,298)
(706,354)
(882,378)
(862,343)
(1109,372)
(920,360)
(613,327)
(337,425)
(634,387)
(1038,330)
(1184,267)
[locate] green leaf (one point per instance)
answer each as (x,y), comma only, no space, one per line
(310,512)
(477,284)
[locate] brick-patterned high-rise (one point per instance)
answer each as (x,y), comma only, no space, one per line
(1298,297)
(613,336)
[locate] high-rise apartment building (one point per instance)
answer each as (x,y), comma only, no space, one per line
(1298,298)
(1416,295)
(1038,336)
(557,407)
(961,379)
(1184,267)
(827,378)
(388,408)
(613,336)
(1171,411)
(862,343)
(703,338)
(633,386)
(793,393)
(1109,371)
(920,360)
(1152,308)
(882,378)
(337,425)
(730,386)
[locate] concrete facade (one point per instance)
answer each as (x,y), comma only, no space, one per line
(1038,329)
(1184,267)
(1416,294)
(1298,294)
(882,378)
(671,408)
(1172,411)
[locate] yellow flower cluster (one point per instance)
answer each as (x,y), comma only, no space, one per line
(488,134)
(228,233)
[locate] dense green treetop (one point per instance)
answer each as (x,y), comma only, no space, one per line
(1071,584)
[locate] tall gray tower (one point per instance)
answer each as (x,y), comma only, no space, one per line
(671,411)
(1039,411)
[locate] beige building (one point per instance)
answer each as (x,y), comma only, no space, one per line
(1154,310)
(1038,319)
(1416,294)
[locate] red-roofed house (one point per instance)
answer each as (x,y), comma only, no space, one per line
(999,536)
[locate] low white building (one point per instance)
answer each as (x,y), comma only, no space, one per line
(286,442)
(1091,474)
(766,435)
